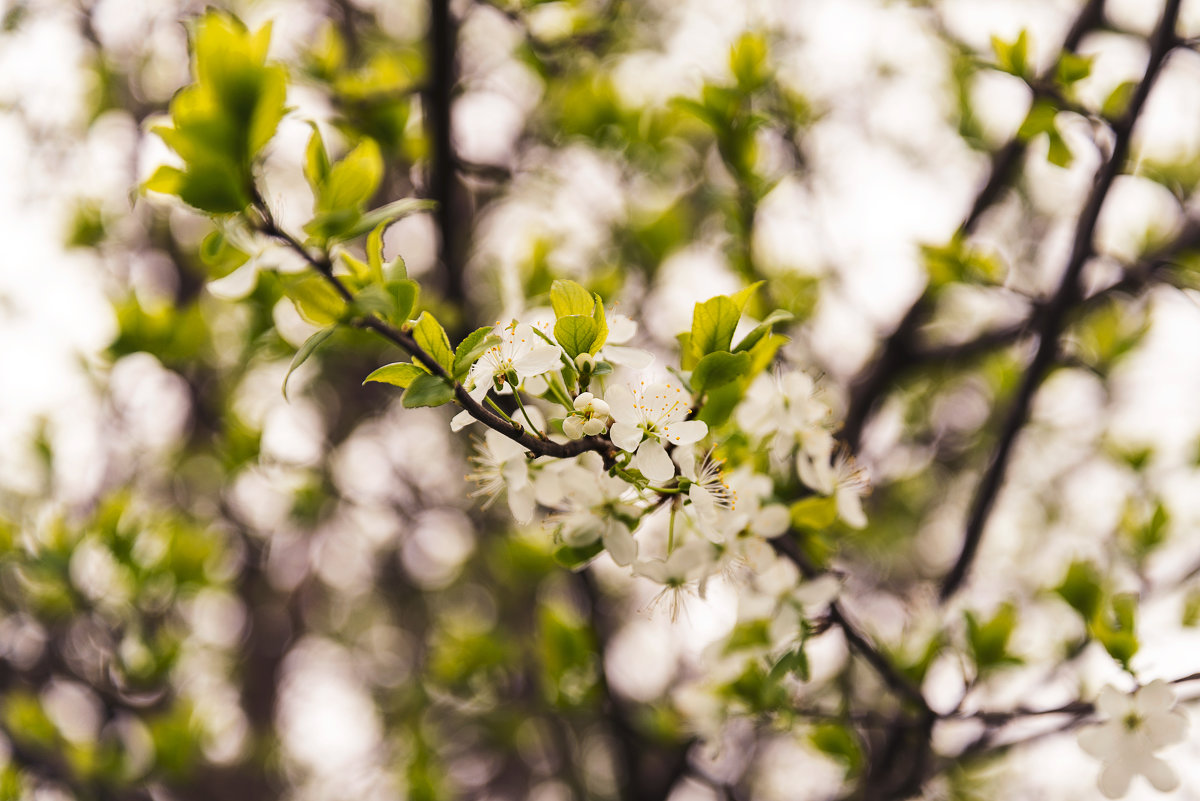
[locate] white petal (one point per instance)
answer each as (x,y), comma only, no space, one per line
(657,400)
(1157,696)
(1114,780)
(1159,773)
(818,592)
(1114,703)
(1165,728)
(521,502)
(633,358)
(849,507)
(593,427)
(573,427)
(771,521)
(817,475)
(686,432)
(461,420)
(620,544)
(582,400)
(621,405)
(620,328)
(1103,742)
(652,460)
(625,436)
(653,569)
(538,360)
(702,499)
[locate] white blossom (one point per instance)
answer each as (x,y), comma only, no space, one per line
(787,409)
(621,329)
(1138,724)
(521,352)
(678,573)
(591,505)
(839,476)
(646,421)
(589,418)
(502,464)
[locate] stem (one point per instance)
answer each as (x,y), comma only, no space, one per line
(521,406)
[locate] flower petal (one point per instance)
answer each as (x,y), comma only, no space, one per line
(573,427)
(633,358)
(686,432)
(625,436)
(461,420)
(1165,728)
(521,503)
(849,507)
(539,359)
(1159,773)
(621,405)
(1114,779)
(620,544)
(652,460)
(1103,741)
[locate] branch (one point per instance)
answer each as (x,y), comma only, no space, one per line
(1066,296)
(404,340)
(785,545)
(897,349)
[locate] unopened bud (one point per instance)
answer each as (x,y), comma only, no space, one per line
(586,362)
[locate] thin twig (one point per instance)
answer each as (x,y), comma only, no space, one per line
(1066,296)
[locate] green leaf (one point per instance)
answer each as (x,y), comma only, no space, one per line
(838,741)
(573,558)
(1073,67)
(762,329)
(317,301)
(1083,589)
(793,662)
(717,369)
(165,180)
(688,359)
(1117,101)
(713,322)
(388,213)
(814,512)
(1059,154)
(399,374)
(471,348)
(1116,632)
(316,161)
(375,251)
(570,299)
(1039,120)
(601,326)
(404,295)
(748,61)
(988,641)
(307,349)
(742,296)
(1012,58)
(432,339)
(427,390)
(575,333)
(353,180)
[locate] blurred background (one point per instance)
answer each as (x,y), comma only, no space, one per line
(208,591)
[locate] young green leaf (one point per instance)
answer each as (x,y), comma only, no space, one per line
(399,374)
(353,180)
(307,349)
(570,298)
(713,322)
(404,294)
(471,348)
(432,339)
(315,299)
(427,390)
(717,369)
(316,161)
(601,326)
(762,329)
(575,334)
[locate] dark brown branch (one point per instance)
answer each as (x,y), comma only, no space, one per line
(786,546)
(897,350)
(1066,296)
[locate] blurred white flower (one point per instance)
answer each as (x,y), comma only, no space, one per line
(1138,724)
(590,506)
(502,464)
(788,409)
(708,493)
(648,420)
(682,568)
(839,476)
